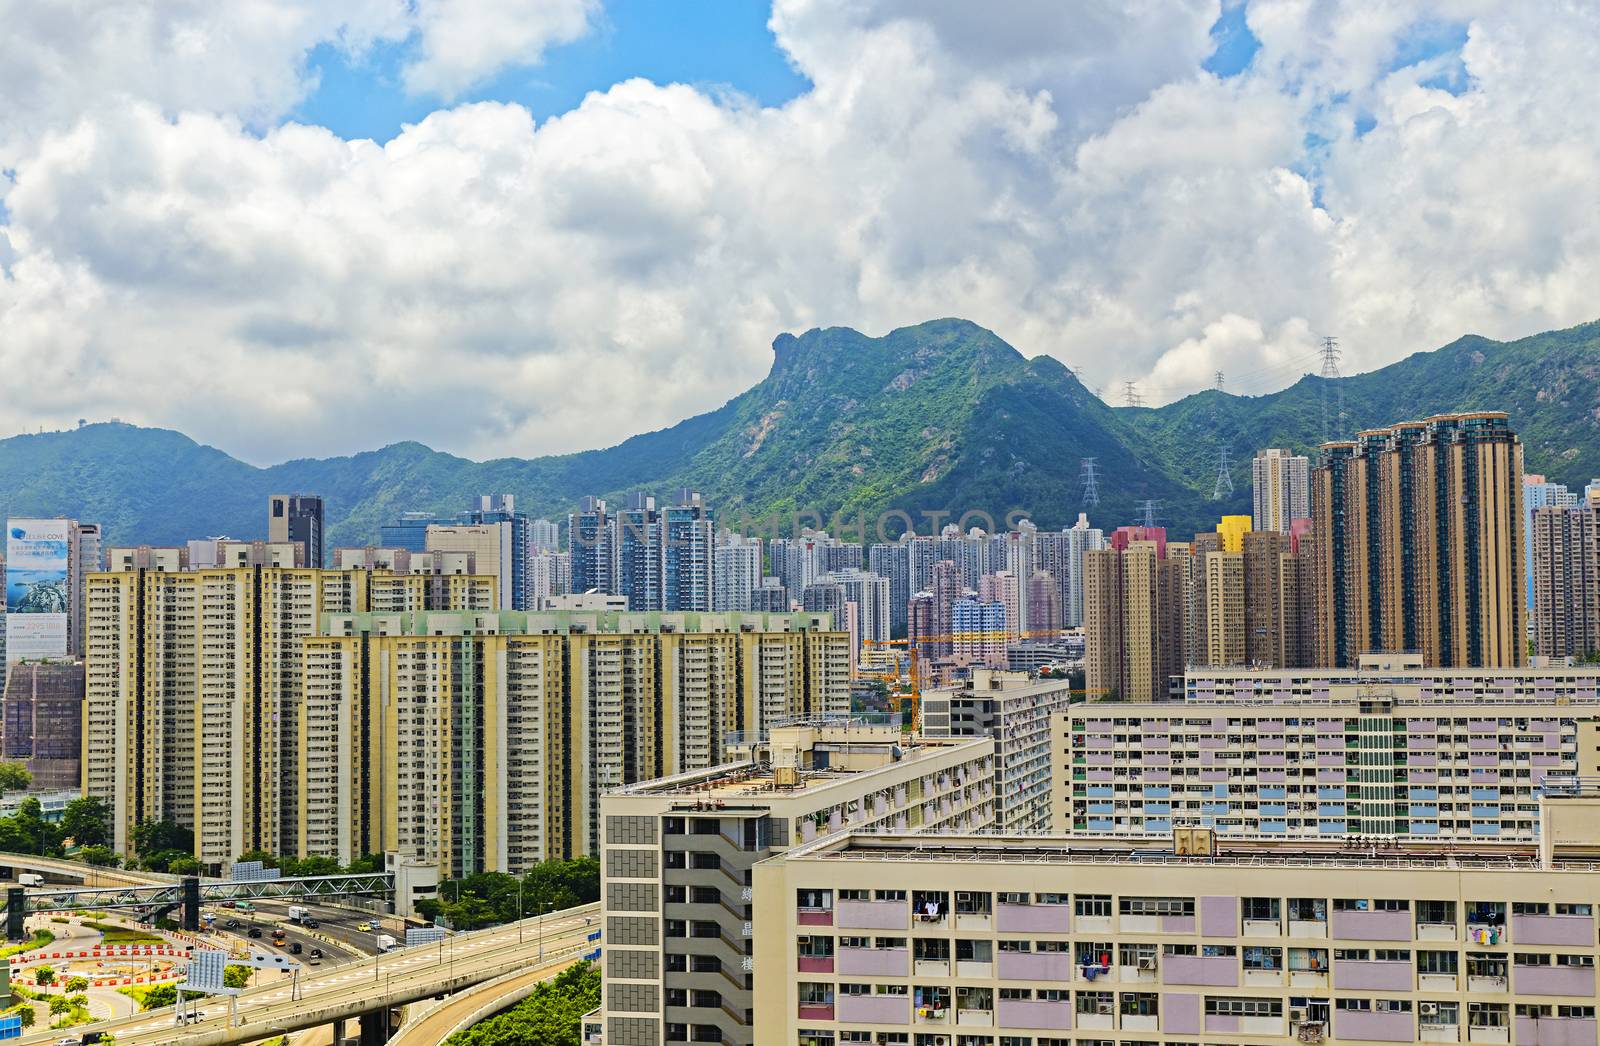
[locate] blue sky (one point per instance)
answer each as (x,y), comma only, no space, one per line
(703,42)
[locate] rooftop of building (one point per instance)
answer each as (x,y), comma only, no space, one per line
(806,758)
(562,622)
(1034,848)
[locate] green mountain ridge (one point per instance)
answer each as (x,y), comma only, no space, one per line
(935,420)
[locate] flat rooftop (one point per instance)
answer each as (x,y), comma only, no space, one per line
(758,779)
(1050,849)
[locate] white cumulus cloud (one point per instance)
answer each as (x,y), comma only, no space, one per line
(1068,175)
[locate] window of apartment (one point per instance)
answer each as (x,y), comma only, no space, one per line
(889,989)
(855,942)
(890,942)
(1050,947)
(1391,955)
(1232,1007)
(1016,946)
(855,1036)
(1157,906)
(854,988)
(1013,898)
(1091,905)
(1263,958)
(814,947)
(1049,898)
(1353,954)
(891,895)
(1532,959)
(1015,994)
(1443,963)
(1575,960)
(1582,1013)
(1351,904)
(815,993)
(812,899)
(1488,1015)
(1436,912)
(1095,1002)
(1259,909)
(1570,908)
(1308,909)
(855,895)
(1529,908)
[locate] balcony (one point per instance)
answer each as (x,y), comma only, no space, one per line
(814,917)
(1210,970)
(1491,1033)
(1372,926)
(1555,1031)
(874,1009)
(1553,929)
(871,915)
(882,962)
(816,1011)
(1035,966)
(1374,1026)
(1042,1014)
(1436,1032)
(1031,918)
(1436,931)
(1575,981)
(1383,976)
(975,1018)
(815,964)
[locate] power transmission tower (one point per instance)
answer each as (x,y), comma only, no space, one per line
(1149,507)
(1130,395)
(1090,480)
(1224,483)
(1224,487)
(1330,371)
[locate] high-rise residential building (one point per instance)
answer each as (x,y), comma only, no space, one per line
(1231,531)
(1538,492)
(922,552)
(46,563)
(1043,605)
(1418,536)
(544,535)
(823,597)
(1004,588)
(893,561)
(870,594)
(638,543)
(735,571)
(41,725)
(549,574)
(947,588)
(1280,484)
(193,688)
(297,518)
(1566,580)
(770,597)
(1134,617)
(500,511)
(1457,754)
(839,556)
(1224,605)
(1052,939)
(1016,711)
(678,855)
(491,547)
(978,632)
(591,542)
(484,742)
(1081,540)
(687,566)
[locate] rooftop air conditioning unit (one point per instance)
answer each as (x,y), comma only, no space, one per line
(1147,962)
(1296,1016)
(1428,1009)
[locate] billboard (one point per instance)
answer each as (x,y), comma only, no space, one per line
(37,560)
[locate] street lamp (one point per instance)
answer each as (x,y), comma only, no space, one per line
(519,911)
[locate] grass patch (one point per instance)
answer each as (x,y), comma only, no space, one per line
(39,939)
(115,934)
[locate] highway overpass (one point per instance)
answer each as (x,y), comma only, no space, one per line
(77,871)
(369,988)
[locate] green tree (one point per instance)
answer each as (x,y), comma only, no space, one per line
(235,976)
(84,821)
(183,866)
(269,860)
(77,984)
(59,1005)
(151,837)
(158,996)
(14,777)
(25,1011)
(551,1016)
(101,856)
(44,975)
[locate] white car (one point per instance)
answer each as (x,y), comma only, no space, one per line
(180,1018)
(68,1041)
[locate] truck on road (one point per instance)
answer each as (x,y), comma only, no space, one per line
(387,943)
(298,913)
(30,879)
